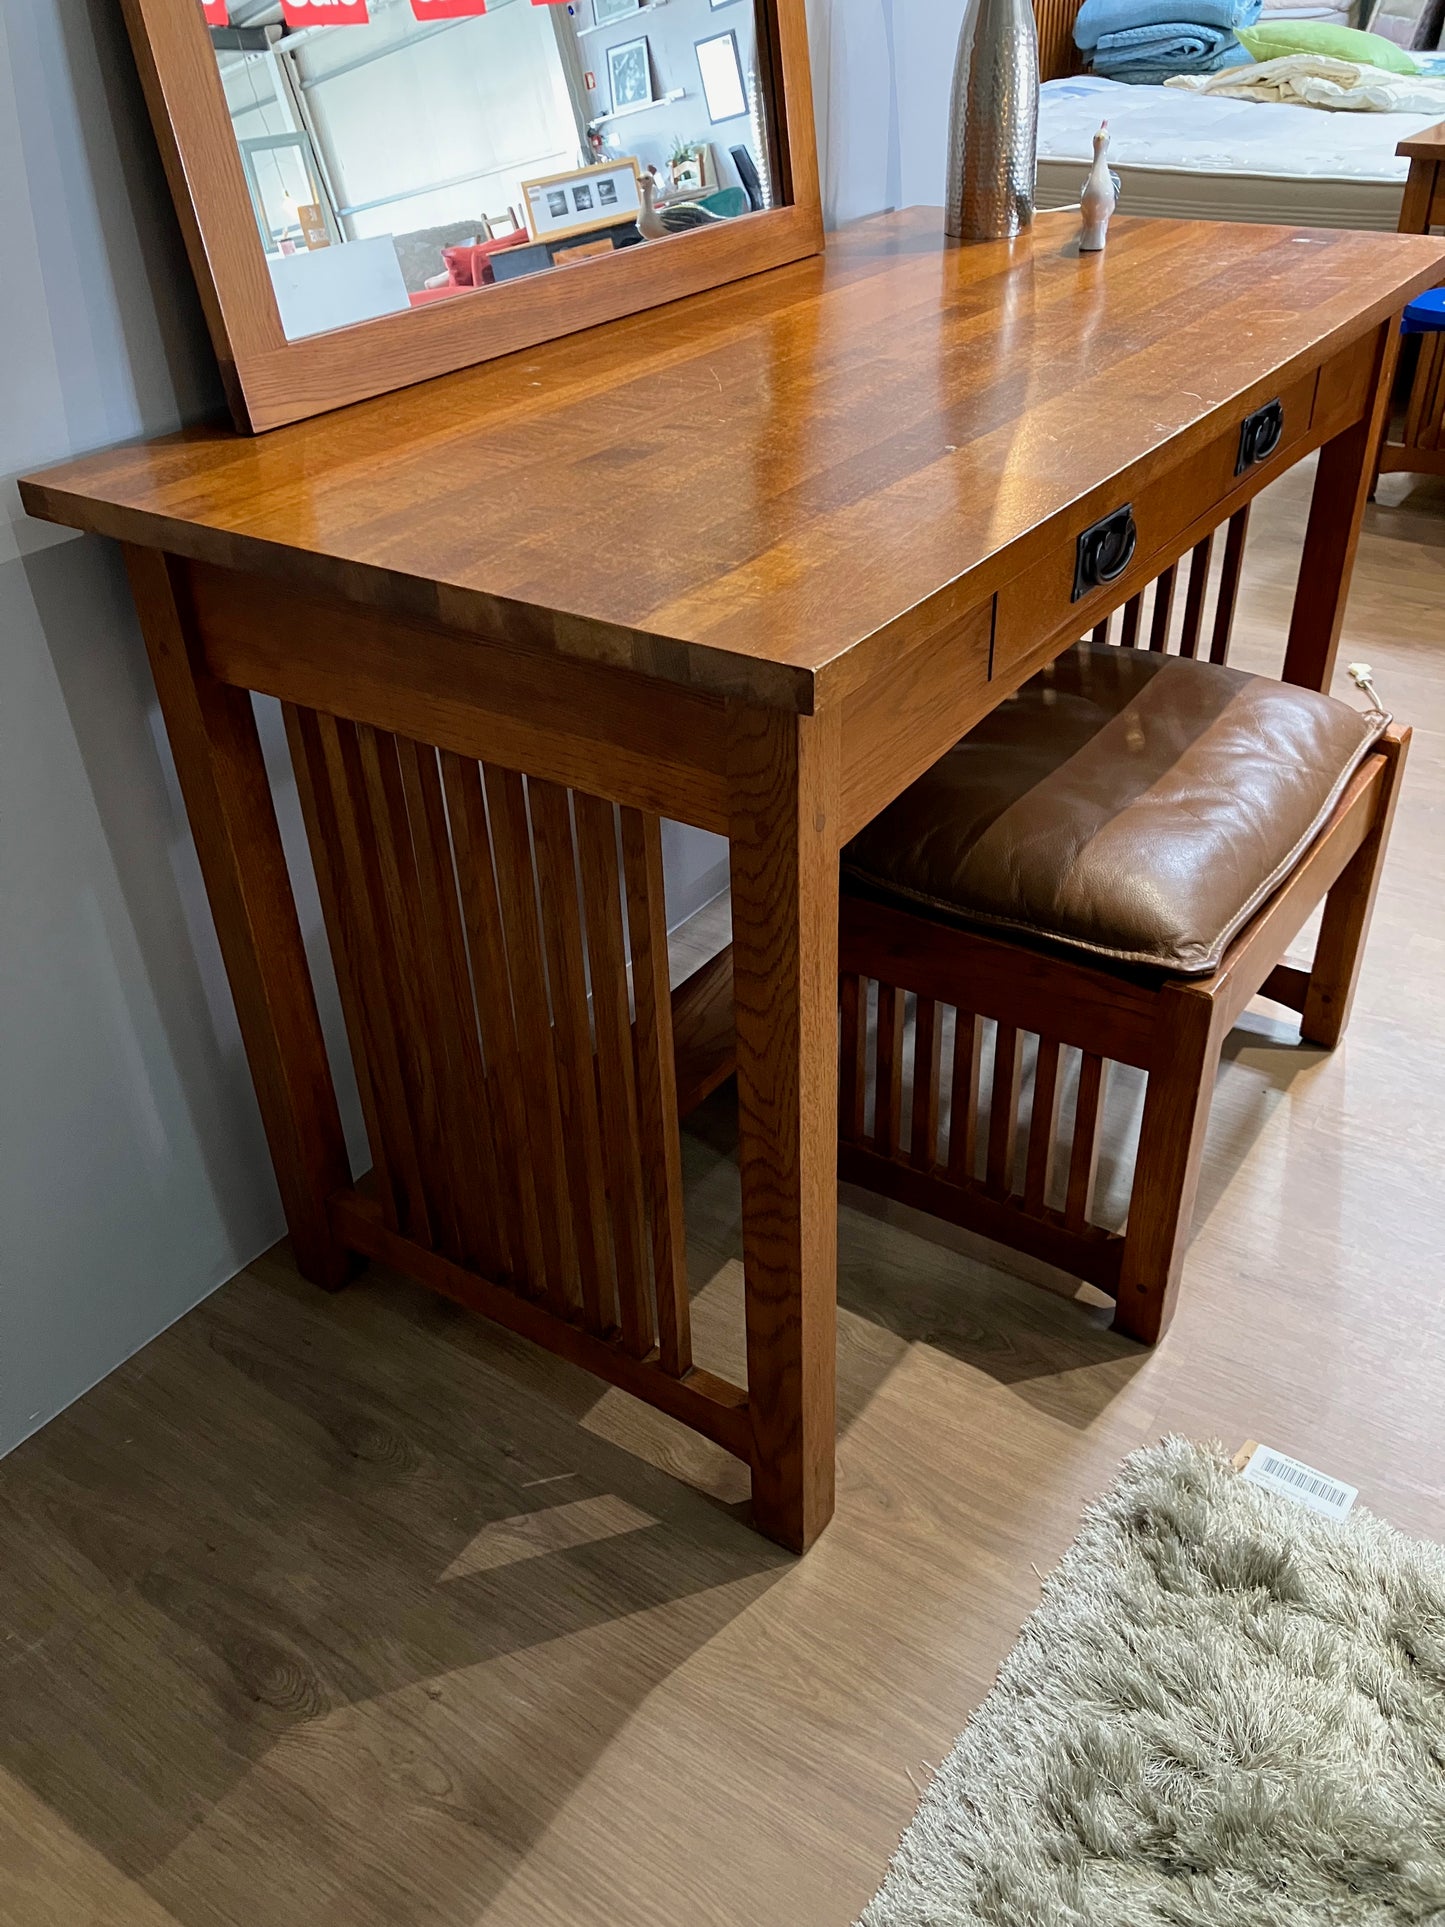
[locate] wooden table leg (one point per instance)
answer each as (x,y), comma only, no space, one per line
(212,730)
(783,771)
(1342,484)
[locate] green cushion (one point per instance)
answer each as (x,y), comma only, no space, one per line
(1272,39)
(727,202)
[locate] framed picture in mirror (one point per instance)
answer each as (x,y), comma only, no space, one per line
(631,74)
(371,190)
(719,63)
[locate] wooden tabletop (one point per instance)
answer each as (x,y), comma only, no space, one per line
(748,491)
(1427,145)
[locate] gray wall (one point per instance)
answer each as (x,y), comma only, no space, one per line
(672,32)
(882,74)
(133,1175)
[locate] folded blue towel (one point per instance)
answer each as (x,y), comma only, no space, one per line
(1175,46)
(1155,76)
(1100,17)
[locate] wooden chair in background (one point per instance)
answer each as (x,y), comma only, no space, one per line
(1420,449)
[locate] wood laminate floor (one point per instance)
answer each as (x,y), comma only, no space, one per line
(335,1613)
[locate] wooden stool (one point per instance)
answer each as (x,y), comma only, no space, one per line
(1114,861)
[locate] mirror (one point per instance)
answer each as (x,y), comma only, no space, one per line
(400,154)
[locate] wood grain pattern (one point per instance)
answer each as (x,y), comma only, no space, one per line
(812,559)
(271,380)
(852,1058)
(855,588)
(1172,512)
(512,854)
(1227,593)
(471,1150)
(704,1038)
(1340,946)
(927,1068)
(496,1019)
(1194,596)
(1162,611)
(358,871)
(1043,1125)
(784,865)
(963,1097)
(1428,144)
(1003,1104)
(349,942)
(1342,487)
(1421,446)
(1054,24)
(601,876)
(212,731)
(1085,1142)
(658,1085)
(1173,1029)
(556,863)
(282,1672)
(657,747)
(888,1078)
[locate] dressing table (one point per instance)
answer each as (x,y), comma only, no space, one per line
(750,560)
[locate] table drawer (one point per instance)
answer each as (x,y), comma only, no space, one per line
(1039,607)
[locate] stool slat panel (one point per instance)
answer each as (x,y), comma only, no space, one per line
(888,1082)
(1163,610)
(853,1059)
(1228,592)
(1084,1155)
(1043,1125)
(1194,596)
(963,1096)
(927,1065)
(1003,1106)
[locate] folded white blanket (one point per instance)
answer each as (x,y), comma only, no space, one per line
(1319,80)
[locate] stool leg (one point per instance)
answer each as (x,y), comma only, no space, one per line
(1189,1033)
(1348,908)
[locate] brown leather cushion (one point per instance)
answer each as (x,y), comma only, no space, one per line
(1134,806)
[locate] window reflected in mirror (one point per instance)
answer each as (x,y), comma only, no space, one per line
(403,152)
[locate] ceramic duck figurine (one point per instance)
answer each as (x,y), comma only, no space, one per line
(1099,198)
(656,223)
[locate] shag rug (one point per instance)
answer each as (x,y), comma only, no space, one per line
(1225,1712)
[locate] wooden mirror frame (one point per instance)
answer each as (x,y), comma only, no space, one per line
(270,380)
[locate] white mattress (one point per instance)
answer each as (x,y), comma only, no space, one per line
(1205,157)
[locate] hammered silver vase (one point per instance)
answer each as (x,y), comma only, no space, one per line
(993,132)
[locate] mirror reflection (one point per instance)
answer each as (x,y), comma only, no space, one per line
(401,152)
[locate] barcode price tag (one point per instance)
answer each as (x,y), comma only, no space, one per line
(1293,1480)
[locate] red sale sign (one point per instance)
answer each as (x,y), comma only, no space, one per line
(447,9)
(324,13)
(215,12)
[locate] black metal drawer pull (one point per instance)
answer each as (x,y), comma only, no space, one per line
(1259,435)
(1105,550)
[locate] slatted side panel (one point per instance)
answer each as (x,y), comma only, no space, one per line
(1187,610)
(501,948)
(986,1111)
